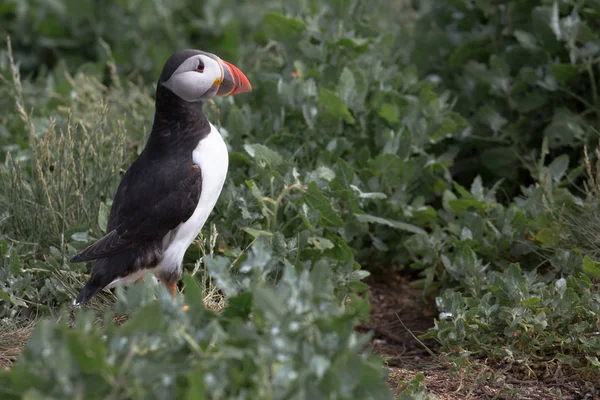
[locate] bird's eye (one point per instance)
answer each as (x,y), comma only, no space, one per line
(200,67)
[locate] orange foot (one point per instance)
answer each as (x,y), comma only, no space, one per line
(172,288)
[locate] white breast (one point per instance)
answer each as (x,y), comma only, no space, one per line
(212,158)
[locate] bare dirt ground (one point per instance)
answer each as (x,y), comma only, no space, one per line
(398,310)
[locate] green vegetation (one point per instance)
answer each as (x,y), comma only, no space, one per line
(440,140)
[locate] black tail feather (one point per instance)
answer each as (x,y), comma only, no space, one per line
(101,277)
(87,293)
(106,270)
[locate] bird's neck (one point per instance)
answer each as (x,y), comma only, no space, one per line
(177,123)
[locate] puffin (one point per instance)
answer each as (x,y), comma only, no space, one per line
(168,192)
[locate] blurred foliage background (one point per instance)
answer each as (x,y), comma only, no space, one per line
(442,140)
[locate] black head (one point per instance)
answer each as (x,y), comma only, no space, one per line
(195,75)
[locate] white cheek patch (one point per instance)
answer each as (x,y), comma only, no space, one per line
(191,85)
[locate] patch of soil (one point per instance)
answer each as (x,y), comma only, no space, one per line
(399,315)
(478,381)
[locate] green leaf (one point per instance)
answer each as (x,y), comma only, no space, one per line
(318,201)
(323,173)
(319,366)
(341,250)
(320,243)
(334,106)
(149,318)
(464,193)
(492,118)
(547,236)
(5,296)
(564,73)
(255,233)
(3,247)
(565,129)
(266,301)
(477,188)
(555,21)
(558,167)
(15,264)
(389,112)
(461,205)
(218,267)
(357,44)
(281,27)
(470,50)
(531,302)
(594,361)
(346,88)
(392,171)
(103,213)
(196,386)
(56,253)
(591,268)
(526,39)
(264,155)
(403,226)
(501,161)
(81,237)
(239,306)
(193,293)
(357,275)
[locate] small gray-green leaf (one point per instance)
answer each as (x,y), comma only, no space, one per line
(257,232)
(318,201)
(81,237)
(264,155)
(591,268)
(346,87)
(323,173)
(4,296)
(369,195)
(373,195)
(555,21)
(321,243)
(267,301)
(492,118)
(281,27)
(389,112)
(477,188)
(564,73)
(403,226)
(335,106)
(357,275)
(558,167)
(103,213)
(526,39)
(319,365)
(218,268)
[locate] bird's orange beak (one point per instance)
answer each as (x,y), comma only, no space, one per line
(234,81)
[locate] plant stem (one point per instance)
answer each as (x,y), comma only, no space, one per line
(278,201)
(594,87)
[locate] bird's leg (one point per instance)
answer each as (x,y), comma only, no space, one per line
(172,288)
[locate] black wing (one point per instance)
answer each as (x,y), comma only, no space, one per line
(149,203)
